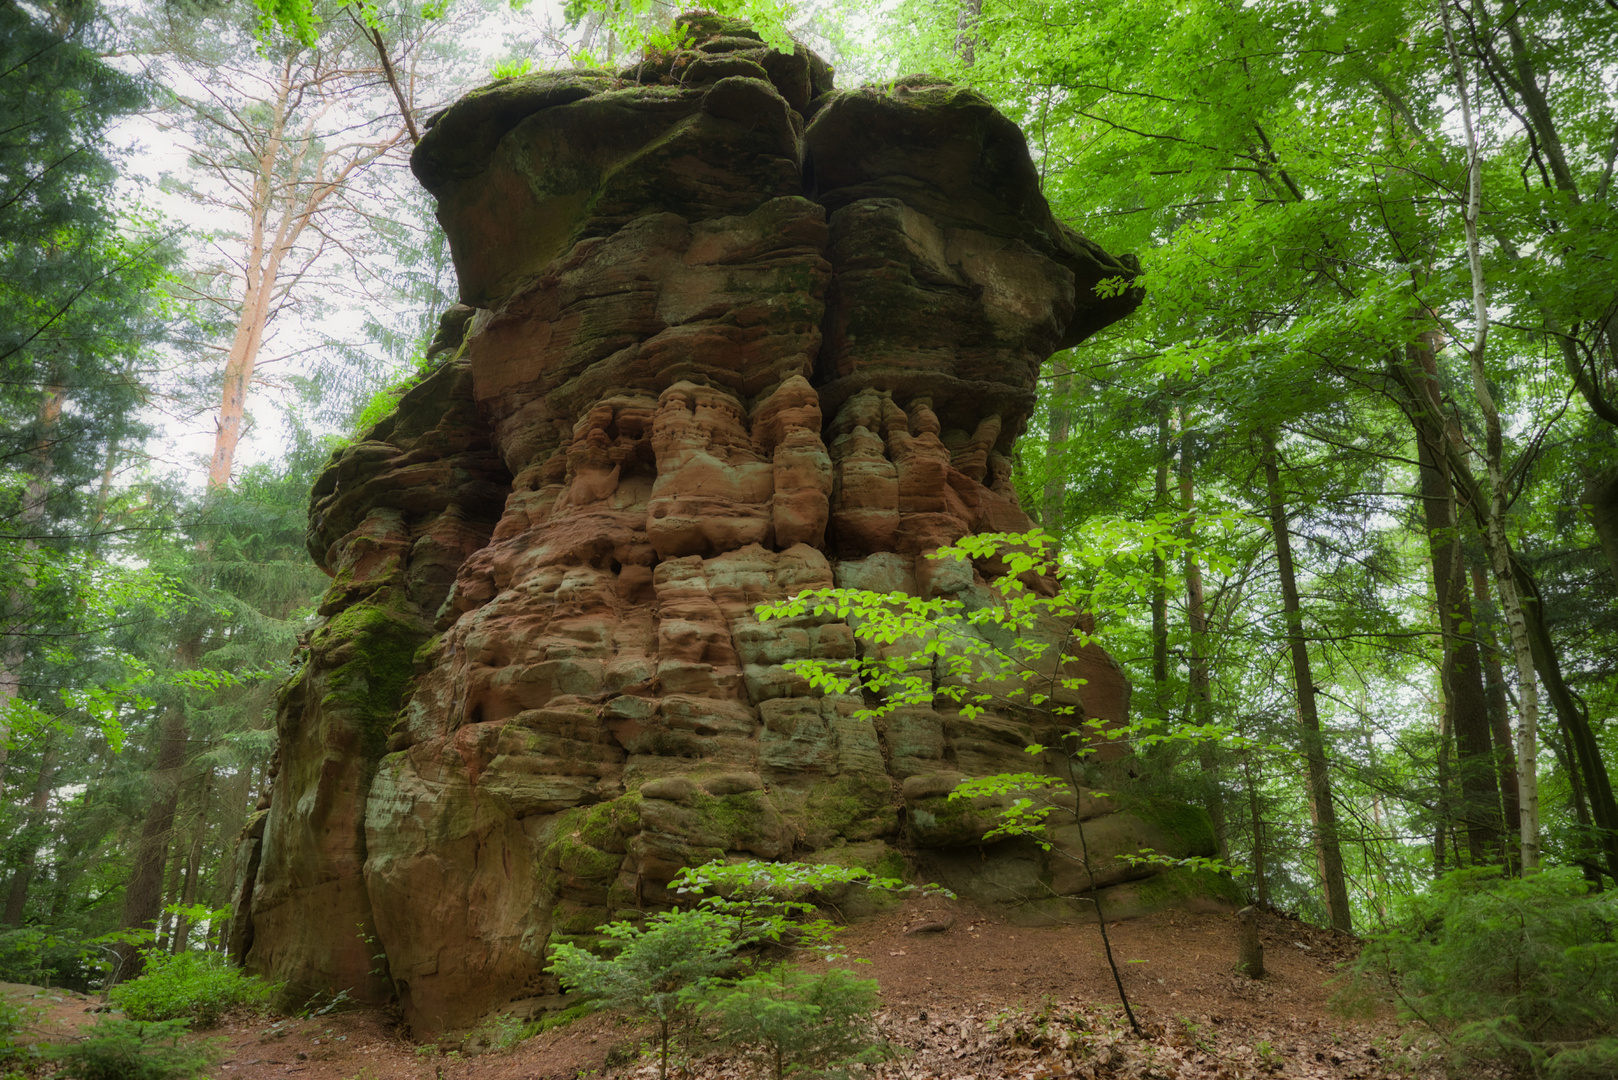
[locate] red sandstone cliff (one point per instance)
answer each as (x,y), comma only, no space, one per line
(736,334)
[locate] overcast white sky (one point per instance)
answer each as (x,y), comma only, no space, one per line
(536,31)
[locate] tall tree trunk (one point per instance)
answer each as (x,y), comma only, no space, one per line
(1201,682)
(143,896)
(1571,716)
(279,210)
(1601,498)
(1327,846)
(33,828)
(1446,812)
(1160,588)
(1253,806)
(165,918)
(1494,683)
(1053,496)
(1466,704)
(193,864)
(967,16)
(1495,540)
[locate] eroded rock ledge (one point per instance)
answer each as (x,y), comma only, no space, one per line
(730,333)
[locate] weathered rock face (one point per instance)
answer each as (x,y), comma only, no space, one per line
(736,334)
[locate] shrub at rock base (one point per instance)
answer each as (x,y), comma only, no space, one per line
(694,962)
(200,987)
(658,971)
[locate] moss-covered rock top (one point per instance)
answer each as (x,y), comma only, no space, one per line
(461,139)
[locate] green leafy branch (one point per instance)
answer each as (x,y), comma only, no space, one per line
(775,903)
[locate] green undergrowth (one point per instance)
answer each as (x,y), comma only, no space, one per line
(562,1019)
(115,1049)
(14,1053)
(1519,974)
(710,971)
(197,987)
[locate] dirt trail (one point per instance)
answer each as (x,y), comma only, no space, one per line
(982,999)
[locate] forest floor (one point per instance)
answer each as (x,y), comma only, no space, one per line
(983,1000)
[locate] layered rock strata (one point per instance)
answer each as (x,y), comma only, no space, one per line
(729,333)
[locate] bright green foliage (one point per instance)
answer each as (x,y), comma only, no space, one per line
(194,986)
(131,1050)
(773,903)
(793,1022)
(38,956)
(975,655)
(1292,174)
(83,283)
(502,1031)
(659,970)
(1518,971)
(511,69)
(674,964)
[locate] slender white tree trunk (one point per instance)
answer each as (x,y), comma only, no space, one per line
(1495,540)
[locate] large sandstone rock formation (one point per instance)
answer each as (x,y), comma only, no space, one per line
(730,333)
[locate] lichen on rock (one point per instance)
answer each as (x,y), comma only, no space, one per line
(734,334)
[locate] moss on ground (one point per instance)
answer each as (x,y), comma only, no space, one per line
(552,1021)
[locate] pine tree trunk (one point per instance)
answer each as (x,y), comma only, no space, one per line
(193,864)
(166,918)
(1259,874)
(1160,591)
(143,896)
(1327,847)
(1494,683)
(33,826)
(1446,811)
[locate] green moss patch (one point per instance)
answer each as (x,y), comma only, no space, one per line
(1176,887)
(376,648)
(856,807)
(1189,825)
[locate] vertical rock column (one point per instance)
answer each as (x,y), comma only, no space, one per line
(739,334)
(391,519)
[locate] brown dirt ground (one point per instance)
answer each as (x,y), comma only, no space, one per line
(982,1000)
